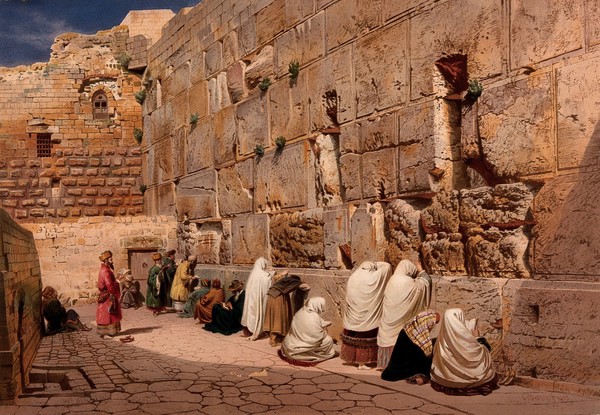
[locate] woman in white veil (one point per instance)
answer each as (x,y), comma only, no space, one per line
(255,303)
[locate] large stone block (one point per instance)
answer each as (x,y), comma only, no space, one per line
(213,59)
(198,99)
(163,160)
(336,233)
(236,188)
(504,206)
(368,234)
(515,127)
(350,174)
(199,146)
(165,199)
(331,90)
(297,239)
(328,181)
(252,125)
(303,43)
(566,241)
(260,67)
(162,121)
(444,254)
(402,231)
(378,133)
(578,119)
(178,152)
(288,105)
(350,138)
(177,82)
(380,64)
(378,175)
(230,48)
(247,36)
(218,93)
(282,179)
(546,327)
(495,253)
(480,37)
(391,8)
(346,19)
(196,196)
(250,238)
(236,81)
(442,215)
(270,21)
(541,30)
(297,10)
(208,242)
(225,136)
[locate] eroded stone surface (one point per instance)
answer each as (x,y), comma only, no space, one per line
(402,225)
(252,125)
(444,254)
(236,188)
(297,239)
(367,231)
(196,196)
(250,238)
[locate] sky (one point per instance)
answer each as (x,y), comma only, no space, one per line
(28,27)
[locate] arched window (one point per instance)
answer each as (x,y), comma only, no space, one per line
(100,106)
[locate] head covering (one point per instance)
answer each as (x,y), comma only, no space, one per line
(407,293)
(105,255)
(418,330)
(156,256)
(459,361)
(235,285)
(255,303)
(364,296)
(192,258)
(171,252)
(48,294)
(316,305)
(216,283)
(205,282)
(126,275)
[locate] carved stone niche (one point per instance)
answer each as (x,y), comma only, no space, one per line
(142,242)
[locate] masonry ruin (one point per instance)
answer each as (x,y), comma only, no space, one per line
(323,133)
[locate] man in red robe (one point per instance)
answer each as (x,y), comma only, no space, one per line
(108,311)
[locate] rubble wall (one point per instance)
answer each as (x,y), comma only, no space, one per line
(384,158)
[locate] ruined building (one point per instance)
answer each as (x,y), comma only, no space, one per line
(323,133)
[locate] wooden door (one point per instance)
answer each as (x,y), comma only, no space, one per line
(140,263)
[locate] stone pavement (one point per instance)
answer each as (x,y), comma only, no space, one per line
(175,367)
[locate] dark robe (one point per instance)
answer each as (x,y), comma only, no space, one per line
(59,319)
(155,299)
(407,360)
(169,276)
(226,321)
(131,296)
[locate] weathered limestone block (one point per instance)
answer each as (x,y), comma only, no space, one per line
(176,82)
(378,174)
(297,239)
(327,156)
(197,63)
(578,133)
(163,160)
(497,253)
(236,188)
(504,206)
(270,21)
(297,10)
(367,229)
(178,152)
(566,241)
(208,242)
(416,148)
(378,133)
(331,90)
(380,62)
(198,99)
(350,173)
(252,125)
(162,121)
(303,43)
(542,30)
(335,234)
(165,196)
(444,254)
(347,19)
(515,127)
(260,67)
(196,196)
(480,37)
(225,137)
(230,48)
(247,36)
(442,214)
(546,326)
(213,59)
(288,108)
(282,179)
(350,138)
(236,84)
(250,238)
(402,231)
(225,250)
(391,8)
(218,93)
(199,146)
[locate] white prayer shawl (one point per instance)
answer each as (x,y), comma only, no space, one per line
(364,296)
(307,339)
(255,302)
(405,296)
(459,361)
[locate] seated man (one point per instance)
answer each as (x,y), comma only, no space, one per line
(57,317)
(227,317)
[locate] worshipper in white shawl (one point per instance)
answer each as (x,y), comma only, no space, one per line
(407,293)
(255,304)
(364,301)
(462,364)
(307,343)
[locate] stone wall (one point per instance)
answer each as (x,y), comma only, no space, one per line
(20,307)
(387,155)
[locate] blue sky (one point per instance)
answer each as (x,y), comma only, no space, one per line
(28,27)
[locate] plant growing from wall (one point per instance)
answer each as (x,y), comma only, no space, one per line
(280,142)
(264,84)
(140,96)
(123,60)
(143,188)
(138,135)
(194,118)
(294,69)
(474,90)
(259,150)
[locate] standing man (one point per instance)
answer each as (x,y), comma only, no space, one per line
(156,289)
(169,273)
(182,284)
(108,311)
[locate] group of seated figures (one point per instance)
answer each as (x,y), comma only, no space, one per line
(388,324)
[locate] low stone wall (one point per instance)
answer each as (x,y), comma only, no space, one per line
(20,307)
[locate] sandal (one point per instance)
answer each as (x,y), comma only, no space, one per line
(126,339)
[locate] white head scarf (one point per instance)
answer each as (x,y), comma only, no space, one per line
(255,302)
(364,296)
(316,305)
(459,361)
(407,293)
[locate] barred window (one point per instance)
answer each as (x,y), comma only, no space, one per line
(100,106)
(44,145)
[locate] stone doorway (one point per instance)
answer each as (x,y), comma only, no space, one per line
(140,262)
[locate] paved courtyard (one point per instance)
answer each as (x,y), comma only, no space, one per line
(175,367)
